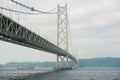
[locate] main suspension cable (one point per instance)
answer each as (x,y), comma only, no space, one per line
(33,9)
(16,11)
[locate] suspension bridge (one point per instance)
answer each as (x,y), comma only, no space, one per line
(14,30)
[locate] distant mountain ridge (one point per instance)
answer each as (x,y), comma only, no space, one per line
(100,62)
(94,62)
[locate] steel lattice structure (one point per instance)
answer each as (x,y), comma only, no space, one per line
(62,34)
(13,32)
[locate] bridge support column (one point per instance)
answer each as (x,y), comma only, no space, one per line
(62,35)
(57,63)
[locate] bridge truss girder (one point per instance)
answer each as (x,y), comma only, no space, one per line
(13,32)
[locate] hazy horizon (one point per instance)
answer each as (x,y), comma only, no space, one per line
(55,60)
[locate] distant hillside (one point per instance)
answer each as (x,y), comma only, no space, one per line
(94,62)
(30,64)
(1,65)
(100,62)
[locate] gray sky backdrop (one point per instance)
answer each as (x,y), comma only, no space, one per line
(94,24)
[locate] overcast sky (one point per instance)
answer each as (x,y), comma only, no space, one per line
(94,24)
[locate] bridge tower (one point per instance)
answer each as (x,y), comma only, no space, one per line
(62,34)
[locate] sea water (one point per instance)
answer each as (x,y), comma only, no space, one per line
(88,73)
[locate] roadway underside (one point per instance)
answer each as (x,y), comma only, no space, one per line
(13,32)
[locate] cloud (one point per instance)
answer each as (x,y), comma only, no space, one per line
(96,25)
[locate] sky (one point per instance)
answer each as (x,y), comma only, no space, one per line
(94,25)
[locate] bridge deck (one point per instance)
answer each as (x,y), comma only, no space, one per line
(13,32)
